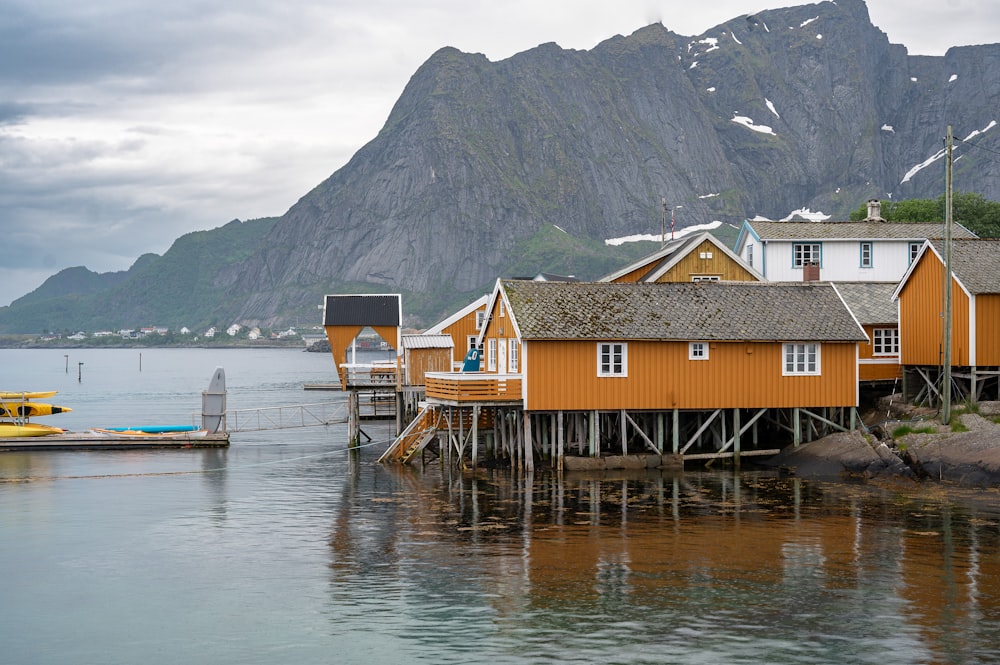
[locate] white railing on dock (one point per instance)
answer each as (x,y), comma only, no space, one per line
(370,374)
(284,417)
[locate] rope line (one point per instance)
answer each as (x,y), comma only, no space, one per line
(31,479)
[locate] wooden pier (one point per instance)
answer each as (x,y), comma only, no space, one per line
(94,441)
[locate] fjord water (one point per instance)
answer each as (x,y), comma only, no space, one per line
(286,549)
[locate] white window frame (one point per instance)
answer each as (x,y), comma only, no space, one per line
(513,360)
(806,252)
(612,359)
(750,254)
(800,359)
(697,350)
(867,251)
(480,319)
(885,342)
(491,357)
(705,278)
(914,249)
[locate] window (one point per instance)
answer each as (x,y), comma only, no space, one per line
(612,359)
(805,252)
(750,254)
(704,278)
(503,310)
(480,318)
(866,254)
(801,359)
(914,250)
(472,345)
(512,360)
(491,357)
(697,351)
(885,342)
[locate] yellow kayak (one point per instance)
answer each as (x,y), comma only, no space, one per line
(11,430)
(23,396)
(30,409)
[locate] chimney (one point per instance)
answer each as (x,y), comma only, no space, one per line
(810,272)
(874,211)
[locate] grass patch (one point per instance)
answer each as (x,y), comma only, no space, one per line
(903,430)
(959,426)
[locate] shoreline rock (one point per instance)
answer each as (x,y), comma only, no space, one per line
(968,458)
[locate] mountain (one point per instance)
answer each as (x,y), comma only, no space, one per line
(804,108)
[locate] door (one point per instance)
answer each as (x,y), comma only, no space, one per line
(502,356)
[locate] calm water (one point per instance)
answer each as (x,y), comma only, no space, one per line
(283,549)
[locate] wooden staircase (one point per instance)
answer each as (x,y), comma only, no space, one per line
(415,437)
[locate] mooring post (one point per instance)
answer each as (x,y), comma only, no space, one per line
(353,420)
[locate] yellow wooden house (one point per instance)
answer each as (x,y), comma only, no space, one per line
(873,307)
(627,366)
(975,317)
(696,258)
(463,327)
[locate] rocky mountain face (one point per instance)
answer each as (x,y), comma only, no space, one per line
(805,108)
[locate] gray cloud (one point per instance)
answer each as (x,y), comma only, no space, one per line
(125,124)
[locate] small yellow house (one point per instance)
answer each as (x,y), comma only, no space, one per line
(975,315)
(463,327)
(873,307)
(696,258)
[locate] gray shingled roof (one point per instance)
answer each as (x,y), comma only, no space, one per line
(809,311)
(976,263)
(871,302)
(855,230)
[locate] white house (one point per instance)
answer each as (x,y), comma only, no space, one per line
(210,332)
(234,330)
(872,250)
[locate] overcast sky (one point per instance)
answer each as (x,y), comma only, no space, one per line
(126,123)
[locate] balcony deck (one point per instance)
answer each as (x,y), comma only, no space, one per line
(466,388)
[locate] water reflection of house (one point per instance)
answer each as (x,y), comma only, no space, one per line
(698,557)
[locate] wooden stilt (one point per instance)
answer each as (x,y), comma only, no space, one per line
(676,432)
(529,449)
(475,435)
(560,441)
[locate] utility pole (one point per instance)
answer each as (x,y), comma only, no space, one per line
(946,361)
(663,222)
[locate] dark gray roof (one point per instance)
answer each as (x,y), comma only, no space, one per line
(855,230)
(362,310)
(976,263)
(810,311)
(871,302)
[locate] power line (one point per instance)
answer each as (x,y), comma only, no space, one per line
(976,145)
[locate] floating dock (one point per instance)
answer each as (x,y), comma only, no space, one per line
(95,441)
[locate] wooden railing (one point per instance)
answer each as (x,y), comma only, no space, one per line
(472,386)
